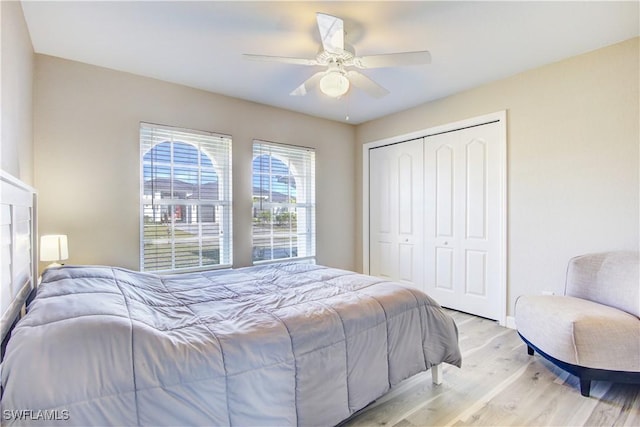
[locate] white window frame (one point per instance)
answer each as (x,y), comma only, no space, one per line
(301,163)
(217,148)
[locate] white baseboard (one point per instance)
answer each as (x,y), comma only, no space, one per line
(511,322)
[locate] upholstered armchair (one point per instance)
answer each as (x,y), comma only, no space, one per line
(593,330)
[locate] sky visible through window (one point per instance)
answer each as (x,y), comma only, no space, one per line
(185,162)
(185,159)
(277,173)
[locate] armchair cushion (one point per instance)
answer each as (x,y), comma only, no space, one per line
(581,332)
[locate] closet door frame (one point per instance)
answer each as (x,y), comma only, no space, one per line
(499,116)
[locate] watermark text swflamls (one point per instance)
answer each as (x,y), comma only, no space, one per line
(35,415)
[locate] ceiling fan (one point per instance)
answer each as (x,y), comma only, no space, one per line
(338,56)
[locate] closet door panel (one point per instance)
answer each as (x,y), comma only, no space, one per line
(443,269)
(462,216)
(396,212)
(381,218)
(442,198)
(476,190)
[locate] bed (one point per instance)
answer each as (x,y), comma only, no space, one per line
(280,344)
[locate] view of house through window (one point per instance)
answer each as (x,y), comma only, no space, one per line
(283,202)
(185,199)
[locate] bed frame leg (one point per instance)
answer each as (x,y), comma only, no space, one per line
(436,374)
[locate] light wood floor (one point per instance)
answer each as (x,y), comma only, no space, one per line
(500,385)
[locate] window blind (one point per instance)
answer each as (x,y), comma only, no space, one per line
(185,191)
(283,202)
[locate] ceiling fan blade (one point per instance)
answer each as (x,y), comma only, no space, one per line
(308,84)
(363,82)
(393,59)
(282,59)
(331,32)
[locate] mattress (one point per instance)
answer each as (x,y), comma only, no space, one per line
(281,344)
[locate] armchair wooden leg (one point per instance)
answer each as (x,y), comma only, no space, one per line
(585,387)
(529,351)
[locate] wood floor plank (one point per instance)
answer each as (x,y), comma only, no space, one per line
(535,399)
(462,385)
(499,384)
(620,403)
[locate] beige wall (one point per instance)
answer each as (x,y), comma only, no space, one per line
(86,133)
(16,155)
(573,159)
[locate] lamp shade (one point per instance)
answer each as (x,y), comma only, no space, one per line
(54,247)
(334,84)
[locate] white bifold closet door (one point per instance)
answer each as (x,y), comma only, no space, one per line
(434,216)
(396,212)
(462,219)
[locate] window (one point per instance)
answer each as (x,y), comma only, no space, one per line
(185,194)
(283,202)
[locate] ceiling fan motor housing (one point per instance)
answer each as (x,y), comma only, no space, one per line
(342,56)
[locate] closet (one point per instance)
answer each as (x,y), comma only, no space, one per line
(436,214)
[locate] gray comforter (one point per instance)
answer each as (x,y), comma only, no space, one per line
(285,344)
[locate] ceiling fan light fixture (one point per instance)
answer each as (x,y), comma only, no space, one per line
(334,84)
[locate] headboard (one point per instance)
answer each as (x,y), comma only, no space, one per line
(19,250)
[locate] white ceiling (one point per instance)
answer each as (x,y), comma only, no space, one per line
(200,44)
